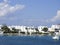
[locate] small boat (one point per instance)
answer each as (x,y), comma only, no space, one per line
(56,37)
(1,32)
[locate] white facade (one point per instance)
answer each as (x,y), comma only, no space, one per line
(55,26)
(0,26)
(21,28)
(51,30)
(31,29)
(40,28)
(16,27)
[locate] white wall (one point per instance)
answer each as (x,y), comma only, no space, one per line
(40,28)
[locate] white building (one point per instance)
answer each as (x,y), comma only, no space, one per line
(1,32)
(31,29)
(21,28)
(16,27)
(41,27)
(0,26)
(54,28)
(51,29)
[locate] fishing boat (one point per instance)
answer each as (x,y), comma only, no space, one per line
(56,37)
(1,32)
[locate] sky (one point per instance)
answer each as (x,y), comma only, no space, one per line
(30,12)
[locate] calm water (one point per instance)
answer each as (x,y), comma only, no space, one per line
(28,40)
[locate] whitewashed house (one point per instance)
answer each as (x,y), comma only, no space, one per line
(40,28)
(0,26)
(1,32)
(51,29)
(20,28)
(54,28)
(31,29)
(23,29)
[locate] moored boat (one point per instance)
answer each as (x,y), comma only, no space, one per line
(56,37)
(1,32)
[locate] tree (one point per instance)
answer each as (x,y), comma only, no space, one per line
(57,30)
(45,29)
(15,30)
(5,29)
(37,31)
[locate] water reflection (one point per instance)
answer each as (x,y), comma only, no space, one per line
(40,35)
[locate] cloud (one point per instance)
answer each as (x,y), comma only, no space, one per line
(5,0)
(6,8)
(57,17)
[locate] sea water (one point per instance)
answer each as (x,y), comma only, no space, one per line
(28,40)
